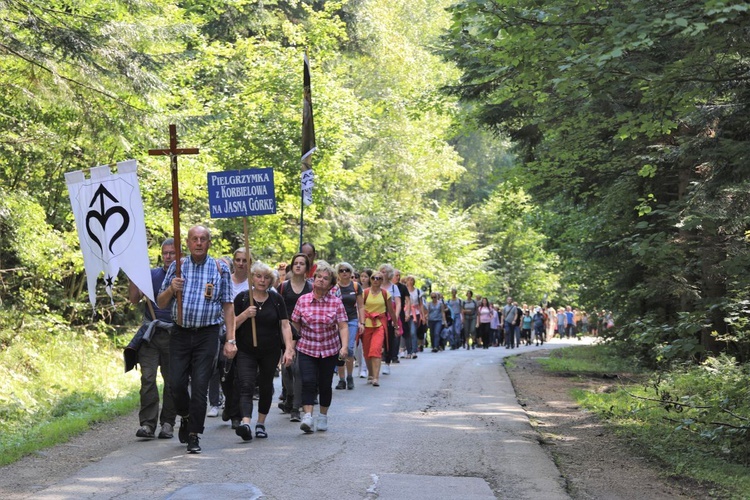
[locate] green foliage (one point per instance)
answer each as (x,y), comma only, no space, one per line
(598,359)
(694,419)
(630,120)
(60,377)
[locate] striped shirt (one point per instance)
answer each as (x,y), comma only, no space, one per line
(319,324)
(199,311)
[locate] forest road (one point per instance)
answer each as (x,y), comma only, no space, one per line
(444,426)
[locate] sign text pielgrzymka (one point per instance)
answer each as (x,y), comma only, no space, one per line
(239,193)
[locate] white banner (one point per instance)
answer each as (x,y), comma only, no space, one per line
(109,217)
(307,186)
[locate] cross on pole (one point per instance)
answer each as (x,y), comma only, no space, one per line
(173,152)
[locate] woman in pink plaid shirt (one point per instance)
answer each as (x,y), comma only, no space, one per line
(321,320)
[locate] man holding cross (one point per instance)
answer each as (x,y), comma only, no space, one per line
(205,288)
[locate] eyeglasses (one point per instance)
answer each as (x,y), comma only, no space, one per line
(377,278)
(344,271)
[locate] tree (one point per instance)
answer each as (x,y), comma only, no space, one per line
(635,111)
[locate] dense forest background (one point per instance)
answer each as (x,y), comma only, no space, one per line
(586,153)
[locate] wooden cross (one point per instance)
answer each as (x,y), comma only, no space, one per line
(173,152)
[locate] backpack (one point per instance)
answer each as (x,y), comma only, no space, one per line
(448,315)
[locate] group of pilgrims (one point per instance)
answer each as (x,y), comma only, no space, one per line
(309,322)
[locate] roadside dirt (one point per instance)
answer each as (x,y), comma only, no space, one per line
(595,463)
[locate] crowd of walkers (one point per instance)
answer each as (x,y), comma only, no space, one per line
(226,327)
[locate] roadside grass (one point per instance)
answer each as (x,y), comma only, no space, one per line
(671,416)
(595,359)
(56,382)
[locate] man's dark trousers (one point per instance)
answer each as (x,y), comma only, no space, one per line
(193,353)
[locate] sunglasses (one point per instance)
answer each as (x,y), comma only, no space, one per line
(377,278)
(344,271)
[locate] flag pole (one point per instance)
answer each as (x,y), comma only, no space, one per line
(249,283)
(308,147)
(301,216)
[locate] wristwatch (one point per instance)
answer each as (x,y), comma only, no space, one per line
(233,342)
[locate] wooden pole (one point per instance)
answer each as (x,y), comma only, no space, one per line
(173,152)
(249,282)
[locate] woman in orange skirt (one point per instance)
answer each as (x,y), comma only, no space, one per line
(378,310)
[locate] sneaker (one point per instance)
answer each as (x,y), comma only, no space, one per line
(182,434)
(295,416)
(167,431)
(363,373)
(193,443)
(341,384)
(225,416)
(236,422)
(350,382)
(283,407)
(322,423)
(386,369)
(307,424)
(243,431)
(144,431)
(213,411)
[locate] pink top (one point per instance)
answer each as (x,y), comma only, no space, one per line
(485,314)
(319,324)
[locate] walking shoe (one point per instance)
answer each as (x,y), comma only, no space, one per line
(213,411)
(386,369)
(236,422)
(322,423)
(307,424)
(243,431)
(341,384)
(350,382)
(182,434)
(167,431)
(144,431)
(225,416)
(283,407)
(363,373)
(193,443)
(294,416)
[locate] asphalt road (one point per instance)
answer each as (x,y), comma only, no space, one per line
(444,426)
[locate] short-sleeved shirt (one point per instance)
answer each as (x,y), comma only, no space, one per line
(319,324)
(267,322)
(455,306)
(375,304)
(471,308)
(394,293)
(157,277)
(434,311)
(403,292)
(238,288)
(509,313)
(198,310)
(348,295)
(416,298)
(485,314)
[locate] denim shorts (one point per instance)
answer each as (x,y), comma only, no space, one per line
(353,329)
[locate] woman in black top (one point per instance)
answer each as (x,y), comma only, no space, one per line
(291,290)
(259,346)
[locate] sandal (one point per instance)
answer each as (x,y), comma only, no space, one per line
(369,380)
(260,431)
(375,383)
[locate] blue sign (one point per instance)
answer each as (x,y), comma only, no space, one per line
(238,193)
